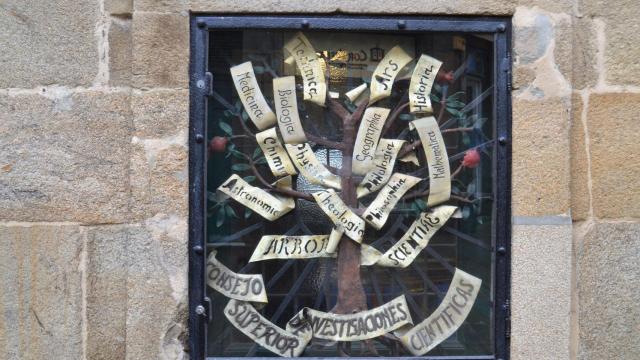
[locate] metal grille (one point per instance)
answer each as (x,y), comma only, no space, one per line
(430,274)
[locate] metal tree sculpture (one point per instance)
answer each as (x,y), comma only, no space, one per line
(351,297)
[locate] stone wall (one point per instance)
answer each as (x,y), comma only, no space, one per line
(93,173)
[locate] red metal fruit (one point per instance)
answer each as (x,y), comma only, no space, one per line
(218,144)
(444,77)
(471,158)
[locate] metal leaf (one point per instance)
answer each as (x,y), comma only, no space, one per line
(220,217)
(226,128)
(240,167)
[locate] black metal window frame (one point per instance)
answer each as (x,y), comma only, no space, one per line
(200,85)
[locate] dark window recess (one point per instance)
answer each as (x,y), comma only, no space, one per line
(475,97)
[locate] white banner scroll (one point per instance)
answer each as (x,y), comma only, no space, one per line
(382,169)
(417,237)
(378,211)
(369,255)
(252,99)
(334,239)
(364,150)
(315,88)
(386,72)
(436,152)
(291,247)
(246,287)
(266,205)
(274,152)
(340,214)
(284,93)
(351,327)
(307,163)
(447,318)
(250,322)
(355,93)
(287,247)
(422,80)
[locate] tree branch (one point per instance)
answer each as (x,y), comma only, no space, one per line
(325,142)
(292,193)
(417,194)
(400,107)
(458,129)
(358,211)
(356,116)
(241,136)
(443,104)
(266,65)
(457,171)
(337,108)
(245,128)
(409,147)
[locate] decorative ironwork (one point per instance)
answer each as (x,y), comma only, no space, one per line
(500,197)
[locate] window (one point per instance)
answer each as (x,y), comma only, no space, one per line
(309,177)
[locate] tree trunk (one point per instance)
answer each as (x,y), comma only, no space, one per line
(351,297)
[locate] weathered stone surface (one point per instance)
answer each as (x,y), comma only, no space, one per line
(160,50)
(563,46)
(489,7)
(612,120)
(160,113)
(533,34)
(585,53)
(106,291)
(168,6)
(622,34)
(159,177)
(41,292)
(608,283)
(159,162)
(42,44)
(540,157)
(580,197)
(542,53)
(536,47)
(621,51)
(118,7)
(560,6)
(541,292)
(157,289)
(120,52)
(523,76)
(64,157)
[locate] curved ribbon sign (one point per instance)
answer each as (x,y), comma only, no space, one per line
(383,163)
(386,72)
(235,286)
(351,327)
(378,211)
(250,322)
(448,317)
(266,205)
(310,167)
(244,79)
(364,150)
(437,159)
(315,87)
(341,215)
(274,152)
(424,74)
